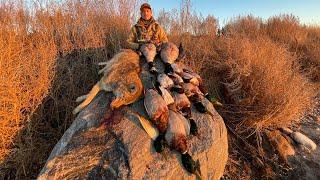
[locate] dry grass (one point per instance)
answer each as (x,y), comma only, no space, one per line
(49,56)
(262,84)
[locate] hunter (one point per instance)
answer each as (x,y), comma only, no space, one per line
(147,30)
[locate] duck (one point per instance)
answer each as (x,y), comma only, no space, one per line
(182,53)
(177,88)
(157,109)
(191,165)
(177,80)
(149,51)
(190,78)
(197,102)
(176,68)
(176,138)
(190,89)
(165,81)
(213,100)
(181,101)
(177,132)
(169,53)
(165,94)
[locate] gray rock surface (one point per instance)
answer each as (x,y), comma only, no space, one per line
(101,144)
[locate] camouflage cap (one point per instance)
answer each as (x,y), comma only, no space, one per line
(145,5)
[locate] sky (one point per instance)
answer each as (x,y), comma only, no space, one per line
(308,11)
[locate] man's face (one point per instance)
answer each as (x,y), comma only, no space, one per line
(146,13)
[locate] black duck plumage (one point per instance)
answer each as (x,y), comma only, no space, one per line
(190,165)
(160,143)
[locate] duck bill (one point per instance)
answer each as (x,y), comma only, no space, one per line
(116,103)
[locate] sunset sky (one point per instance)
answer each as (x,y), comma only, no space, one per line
(308,11)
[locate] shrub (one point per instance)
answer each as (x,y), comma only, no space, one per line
(264,86)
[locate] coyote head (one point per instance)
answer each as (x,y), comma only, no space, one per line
(127,91)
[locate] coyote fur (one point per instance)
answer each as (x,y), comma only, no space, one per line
(121,77)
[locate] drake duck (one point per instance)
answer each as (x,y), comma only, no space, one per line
(177,80)
(182,53)
(190,89)
(189,78)
(176,68)
(157,109)
(149,51)
(176,137)
(165,81)
(166,95)
(177,132)
(177,88)
(180,101)
(197,102)
(213,100)
(169,53)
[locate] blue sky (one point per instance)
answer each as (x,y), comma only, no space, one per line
(308,11)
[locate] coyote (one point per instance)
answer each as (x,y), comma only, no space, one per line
(121,76)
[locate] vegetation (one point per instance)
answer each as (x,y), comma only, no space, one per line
(266,73)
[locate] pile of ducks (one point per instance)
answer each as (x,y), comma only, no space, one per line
(168,102)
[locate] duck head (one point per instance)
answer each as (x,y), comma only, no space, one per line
(190,165)
(182,53)
(149,51)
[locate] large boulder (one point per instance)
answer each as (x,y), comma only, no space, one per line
(105,144)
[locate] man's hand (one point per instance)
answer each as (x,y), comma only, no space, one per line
(157,43)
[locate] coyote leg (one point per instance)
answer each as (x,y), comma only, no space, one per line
(94,91)
(81,98)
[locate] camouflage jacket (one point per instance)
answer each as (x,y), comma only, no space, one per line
(140,34)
